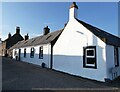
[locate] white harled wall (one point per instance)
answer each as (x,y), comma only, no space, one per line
(68,52)
(36,60)
(110,60)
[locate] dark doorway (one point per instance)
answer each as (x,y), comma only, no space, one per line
(51,58)
(19,55)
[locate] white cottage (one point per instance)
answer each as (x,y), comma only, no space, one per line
(37,50)
(86,51)
(79,49)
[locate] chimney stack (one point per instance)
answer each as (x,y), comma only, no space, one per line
(26,37)
(46,30)
(9,35)
(17,30)
(73,11)
(0,40)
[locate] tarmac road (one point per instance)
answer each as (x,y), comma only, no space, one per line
(18,75)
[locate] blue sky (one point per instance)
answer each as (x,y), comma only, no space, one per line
(32,17)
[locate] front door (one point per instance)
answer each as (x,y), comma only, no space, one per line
(19,55)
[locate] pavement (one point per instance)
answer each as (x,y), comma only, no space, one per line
(18,75)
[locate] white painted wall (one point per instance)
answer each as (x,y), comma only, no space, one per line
(110,60)
(73,13)
(36,60)
(68,52)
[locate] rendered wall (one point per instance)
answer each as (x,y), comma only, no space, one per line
(110,60)
(68,52)
(36,60)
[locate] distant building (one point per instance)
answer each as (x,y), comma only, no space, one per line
(9,42)
(0,47)
(78,49)
(0,40)
(38,50)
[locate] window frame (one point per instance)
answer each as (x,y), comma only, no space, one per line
(90,55)
(15,53)
(86,58)
(24,52)
(116,56)
(41,52)
(32,52)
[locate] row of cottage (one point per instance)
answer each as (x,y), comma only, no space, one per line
(79,49)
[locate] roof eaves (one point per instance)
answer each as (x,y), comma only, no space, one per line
(104,36)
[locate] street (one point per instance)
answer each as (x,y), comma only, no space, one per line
(17,75)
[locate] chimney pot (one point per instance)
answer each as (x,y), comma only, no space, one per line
(26,37)
(17,30)
(74,5)
(73,11)
(46,30)
(9,35)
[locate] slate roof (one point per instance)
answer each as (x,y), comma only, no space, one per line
(104,36)
(50,37)
(43,39)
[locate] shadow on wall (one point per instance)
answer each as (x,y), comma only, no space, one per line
(74,66)
(47,60)
(35,59)
(70,64)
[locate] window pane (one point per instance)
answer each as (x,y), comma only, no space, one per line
(90,61)
(24,52)
(41,52)
(15,53)
(90,52)
(32,52)
(116,56)
(89,57)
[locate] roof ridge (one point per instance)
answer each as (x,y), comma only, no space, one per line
(111,39)
(47,34)
(98,28)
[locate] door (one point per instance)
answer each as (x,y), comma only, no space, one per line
(51,58)
(19,54)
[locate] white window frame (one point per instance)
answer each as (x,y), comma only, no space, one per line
(86,49)
(93,53)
